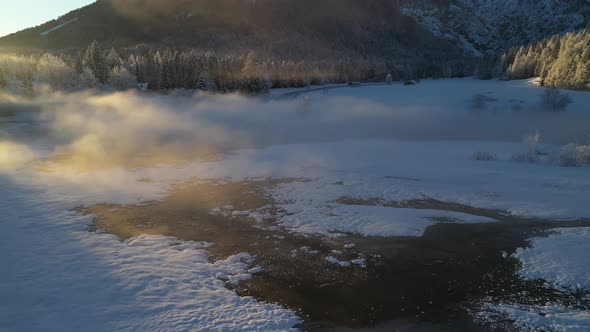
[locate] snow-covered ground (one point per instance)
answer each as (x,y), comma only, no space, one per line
(562,260)
(538,318)
(57,276)
(60,276)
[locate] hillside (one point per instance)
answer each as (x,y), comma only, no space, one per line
(281,28)
(487,26)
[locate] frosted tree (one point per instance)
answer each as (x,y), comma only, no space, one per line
(389,79)
(94,60)
(27,85)
(252,82)
(54,71)
(582,77)
(122,79)
(562,72)
(113,59)
(3,79)
(78,63)
(87,80)
(205,82)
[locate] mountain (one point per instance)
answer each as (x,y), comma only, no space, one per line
(282,28)
(488,26)
(400,31)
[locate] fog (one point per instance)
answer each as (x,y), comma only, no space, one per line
(97,129)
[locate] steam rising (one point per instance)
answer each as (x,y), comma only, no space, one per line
(93,130)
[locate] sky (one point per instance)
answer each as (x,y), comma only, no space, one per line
(22,14)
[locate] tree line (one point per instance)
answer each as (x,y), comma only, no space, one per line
(561,61)
(170,68)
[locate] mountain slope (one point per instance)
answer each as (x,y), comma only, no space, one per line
(285,28)
(486,26)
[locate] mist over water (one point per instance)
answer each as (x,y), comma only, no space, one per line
(131,129)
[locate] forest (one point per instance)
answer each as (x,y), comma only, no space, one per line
(561,61)
(171,68)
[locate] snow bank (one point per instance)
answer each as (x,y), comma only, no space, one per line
(325,218)
(561,258)
(57,276)
(538,318)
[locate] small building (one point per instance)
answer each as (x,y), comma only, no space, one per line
(409,83)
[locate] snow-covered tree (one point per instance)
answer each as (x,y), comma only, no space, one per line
(113,59)
(3,79)
(252,82)
(86,79)
(94,59)
(122,79)
(27,85)
(54,71)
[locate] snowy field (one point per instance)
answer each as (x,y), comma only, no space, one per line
(383,144)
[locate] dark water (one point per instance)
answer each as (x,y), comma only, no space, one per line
(426,283)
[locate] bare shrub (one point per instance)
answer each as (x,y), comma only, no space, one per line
(574,155)
(553,100)
(531,143)
(584,154)
(389,79)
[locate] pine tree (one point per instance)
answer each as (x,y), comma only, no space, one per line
(122,79)
(252,83)
(94,60)
(27,85)
(79,63)
(113,59)
(87,79)
(582,77)
(3,79)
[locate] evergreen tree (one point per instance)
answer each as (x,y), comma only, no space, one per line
(27,85)
(87,79)
(252,83)
(96,62)
(79,63)
(122,79)
(3,79)
(113,59)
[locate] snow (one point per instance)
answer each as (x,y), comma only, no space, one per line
(321,217)
(538,318)
(255,270)
(494,25)
(336,261)
(561,258)
(57,276)
(359,261)
(434,95)
(308,250)
(54,269)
